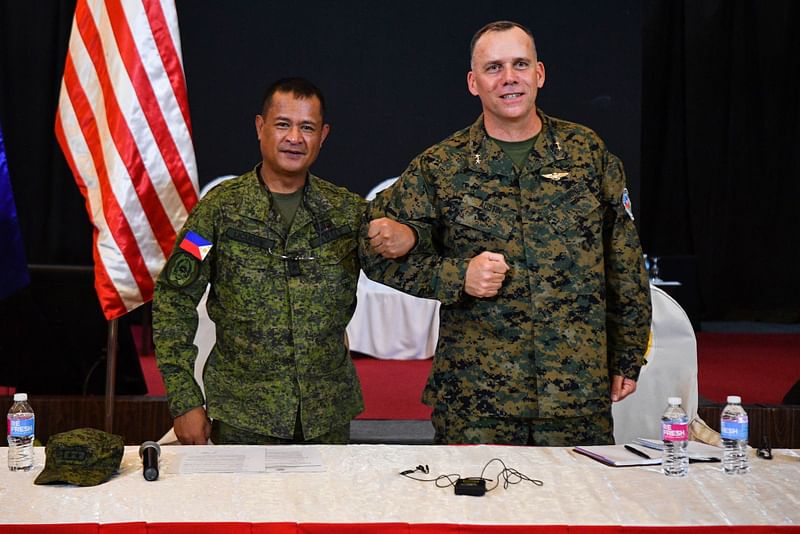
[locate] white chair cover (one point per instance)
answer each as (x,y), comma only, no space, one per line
(214,183)
(392,325)
(671,371)
(380,187)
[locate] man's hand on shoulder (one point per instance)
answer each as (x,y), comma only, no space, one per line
(391,239)
(485,274)
(193,427)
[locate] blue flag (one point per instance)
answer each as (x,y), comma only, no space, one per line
(13,267)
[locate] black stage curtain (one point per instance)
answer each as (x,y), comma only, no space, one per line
(52,214)
(720,159)
(719,165)
(393,73)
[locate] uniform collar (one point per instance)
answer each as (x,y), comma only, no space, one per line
(486,156)
(549,149)
(256,202)
(315,208)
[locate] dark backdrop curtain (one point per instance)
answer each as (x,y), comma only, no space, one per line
(721,150)
(719,177)
(52,214)
(52,333)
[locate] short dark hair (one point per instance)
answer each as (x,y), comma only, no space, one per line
(299,87)
(499,26)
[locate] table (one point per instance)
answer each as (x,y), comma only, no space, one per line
(361,486)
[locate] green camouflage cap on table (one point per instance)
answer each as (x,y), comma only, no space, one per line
(85,457)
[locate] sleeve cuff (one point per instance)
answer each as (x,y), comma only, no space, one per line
(424,244)
(185,398)
(449,286)
(627,364)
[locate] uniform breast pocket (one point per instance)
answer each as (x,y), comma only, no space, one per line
(576,217)
(336,264)
(478,222)
(245,272)
(576,221)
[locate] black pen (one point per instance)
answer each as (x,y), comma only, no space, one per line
(637,452)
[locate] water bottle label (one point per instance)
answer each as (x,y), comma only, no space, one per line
(734,429)
(674,431)
(20,428)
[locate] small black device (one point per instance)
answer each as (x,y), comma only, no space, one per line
(471,486)
(149,452)
(420,468)
(765,451)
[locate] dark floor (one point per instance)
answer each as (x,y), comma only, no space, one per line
(394,432)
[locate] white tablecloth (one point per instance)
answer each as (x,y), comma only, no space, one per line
(361,485)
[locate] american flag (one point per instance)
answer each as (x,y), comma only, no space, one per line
(123,125)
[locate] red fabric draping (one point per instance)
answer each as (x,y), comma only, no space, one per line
(370,528)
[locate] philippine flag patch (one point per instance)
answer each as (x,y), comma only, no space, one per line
(196,245)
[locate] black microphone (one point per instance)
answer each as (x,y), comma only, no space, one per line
(149,452)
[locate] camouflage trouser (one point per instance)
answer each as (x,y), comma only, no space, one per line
(223,433)
(565,432)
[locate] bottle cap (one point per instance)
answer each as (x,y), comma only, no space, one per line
(20,397)
(734,399)
(674,401)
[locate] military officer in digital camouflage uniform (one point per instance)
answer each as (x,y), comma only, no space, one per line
(545,303)
(279,247)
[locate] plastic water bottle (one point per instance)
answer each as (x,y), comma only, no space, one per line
(733,426)
(20,434)
(675,434)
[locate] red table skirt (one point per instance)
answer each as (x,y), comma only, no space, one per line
(364,528)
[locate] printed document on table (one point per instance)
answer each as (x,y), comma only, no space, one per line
(296,459)
(242,459)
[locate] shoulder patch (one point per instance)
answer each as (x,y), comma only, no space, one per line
(182,270)
(626,202)
(196,245)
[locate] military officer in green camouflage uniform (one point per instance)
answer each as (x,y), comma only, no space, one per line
(545,304)
(279,248)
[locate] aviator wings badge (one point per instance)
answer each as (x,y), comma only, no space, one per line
(555,175)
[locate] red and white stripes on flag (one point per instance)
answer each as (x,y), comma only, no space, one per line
(123,124)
